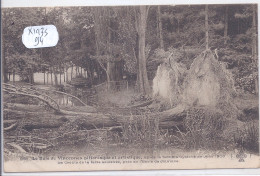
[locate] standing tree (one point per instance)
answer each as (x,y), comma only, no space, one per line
(226,26)
(14,21)
(4,67)
(207,26)
(142,78)
(254,44)
(160,28)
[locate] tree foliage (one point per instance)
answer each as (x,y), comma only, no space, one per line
(95,37)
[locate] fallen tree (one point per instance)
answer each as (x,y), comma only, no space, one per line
(50,102)
(34,120)
(43,98)
(38,119)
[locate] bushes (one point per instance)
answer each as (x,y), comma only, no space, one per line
(243,67)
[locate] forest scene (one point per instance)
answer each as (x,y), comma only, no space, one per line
(131,79)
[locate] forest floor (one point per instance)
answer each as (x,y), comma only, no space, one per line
(59,134)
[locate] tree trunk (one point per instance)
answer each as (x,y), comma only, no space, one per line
(71,73)
(254,45)
(85,73)
(89,72)
(226,26)
(51,77)
(55,78)
(160,28)
(31,77)
(238,28)
(60,75)
(47,78)
(143,84)
(207,26)
(44,77)
(178,25)
(64,75)
(108,73)
(4,65)
(13,76)
(98,37)
(4,49)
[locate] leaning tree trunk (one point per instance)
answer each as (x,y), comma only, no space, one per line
(108,71)
(143,84)
(207,26)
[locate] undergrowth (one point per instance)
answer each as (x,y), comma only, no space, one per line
(203,129)
(141,131)
(247,138)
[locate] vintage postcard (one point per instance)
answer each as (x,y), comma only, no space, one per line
(95,88)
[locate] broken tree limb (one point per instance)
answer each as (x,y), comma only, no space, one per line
(18,147)
(11,127)
(57,108)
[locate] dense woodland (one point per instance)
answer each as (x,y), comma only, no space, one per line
(191,74)
(102,38)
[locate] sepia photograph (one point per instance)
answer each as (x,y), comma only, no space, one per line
(96,88)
